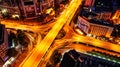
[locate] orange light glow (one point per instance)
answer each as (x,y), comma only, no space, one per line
(32,60)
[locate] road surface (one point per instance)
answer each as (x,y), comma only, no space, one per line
(32,60)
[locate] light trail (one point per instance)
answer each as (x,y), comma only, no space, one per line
(97,43)
(33,59)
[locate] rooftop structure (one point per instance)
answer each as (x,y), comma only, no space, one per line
(90,59)
(95,27)
(25,8)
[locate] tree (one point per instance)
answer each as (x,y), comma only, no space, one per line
(61,34)
(12,35)
(56,57)
(12,52)
(22,38)
(12,39)
(50,65)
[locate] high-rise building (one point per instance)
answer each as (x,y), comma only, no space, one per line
(45,4)
(116,17)
(11,7)
(91,59)
(83,24)
(29,8)
(94,27)
(104,5)
(70,59)
(100,30)
(104,15)
(89,3)
(57,3)
(26,8)
(3,44)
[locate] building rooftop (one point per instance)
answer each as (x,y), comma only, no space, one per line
(90,59)
(102,22)
(106,5)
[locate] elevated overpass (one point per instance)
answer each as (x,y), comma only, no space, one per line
(35,57)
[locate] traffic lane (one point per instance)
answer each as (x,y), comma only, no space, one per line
(98,43)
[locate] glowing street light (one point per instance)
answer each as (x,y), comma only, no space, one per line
(15,16)
(4,11)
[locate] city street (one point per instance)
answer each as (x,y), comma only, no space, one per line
(41,53)
(30,26)
(97,43)
(36,56)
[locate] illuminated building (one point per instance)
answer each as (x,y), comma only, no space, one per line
(45,4)
(100,30)
(22,8)
(10,7)
(116,17)
(104,15)
(29,8)
(32,8)
(3,44)
(83,24)
(89,3)
(26,8)
(103,5)
(89,59)
(58,1)
(91,27)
